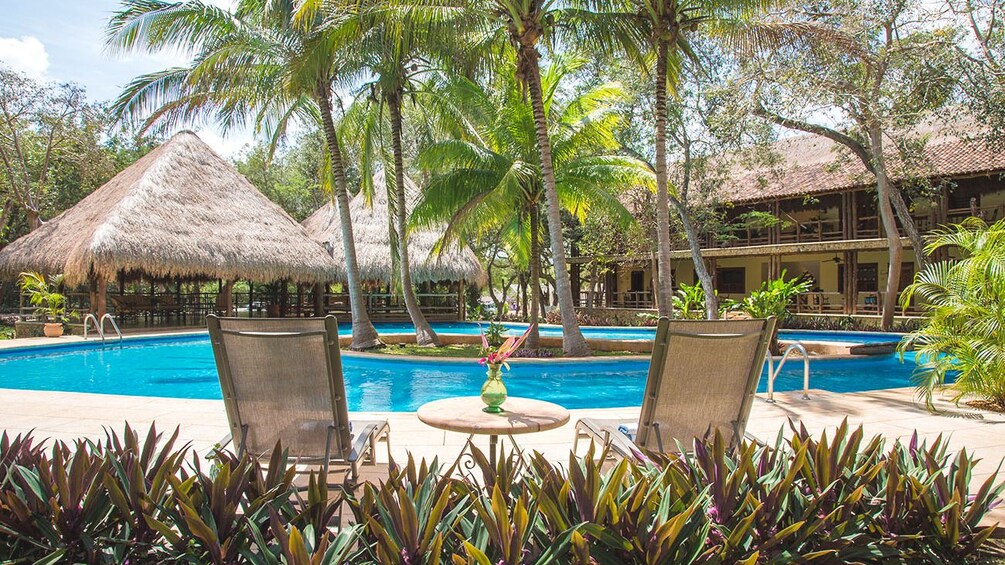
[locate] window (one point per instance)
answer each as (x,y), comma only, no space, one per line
(868,277)
(638,281)
(732,280)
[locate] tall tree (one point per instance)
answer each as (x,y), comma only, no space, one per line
(981,62)
(266,63)
(399,44)
(881,70)
(487,177)
(667,31)
(526,24)
(41,124)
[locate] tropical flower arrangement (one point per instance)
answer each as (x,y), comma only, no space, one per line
(504,351)
(494,392)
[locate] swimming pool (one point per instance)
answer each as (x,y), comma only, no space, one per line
(183,367)
(631,333)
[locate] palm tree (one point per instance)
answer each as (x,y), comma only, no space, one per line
(488,177)
(525,24)
(265,64)
(399,44)
(666,30)
(965,300)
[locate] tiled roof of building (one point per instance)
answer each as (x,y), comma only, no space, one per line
(811,164)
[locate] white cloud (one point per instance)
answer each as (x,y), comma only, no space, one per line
(26,55)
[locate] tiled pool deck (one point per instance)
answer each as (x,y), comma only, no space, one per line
(893,413)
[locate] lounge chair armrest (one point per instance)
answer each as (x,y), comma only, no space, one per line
(752,438)
(365,433)
(224,442)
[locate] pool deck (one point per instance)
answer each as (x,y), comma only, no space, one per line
(892,413)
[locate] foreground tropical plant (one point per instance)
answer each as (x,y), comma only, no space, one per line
(836,498)
(964,302)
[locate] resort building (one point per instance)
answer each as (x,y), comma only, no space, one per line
(825,226)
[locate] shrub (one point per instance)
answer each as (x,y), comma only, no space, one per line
(773,298)
(834,500)
(964,302)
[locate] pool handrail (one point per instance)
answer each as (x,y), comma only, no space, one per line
(97,326)
(774,370)
(115,326)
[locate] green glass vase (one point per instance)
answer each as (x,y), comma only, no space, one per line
(493,391)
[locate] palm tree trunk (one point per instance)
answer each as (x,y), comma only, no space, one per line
(700,269)
(364,335)
(664,290)
(424,334)
(534,338)
(886,214)
(573,342)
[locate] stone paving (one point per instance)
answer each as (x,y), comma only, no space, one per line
(892,413)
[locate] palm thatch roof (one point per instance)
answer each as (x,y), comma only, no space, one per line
(813,165)
(372,232)
(180,211)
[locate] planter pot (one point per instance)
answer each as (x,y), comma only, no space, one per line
(54,329)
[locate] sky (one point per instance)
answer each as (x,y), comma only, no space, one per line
(63,41)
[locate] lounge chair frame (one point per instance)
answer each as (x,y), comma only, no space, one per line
(648,426)
(345,442)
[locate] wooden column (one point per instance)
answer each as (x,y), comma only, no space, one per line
(319,300)
(92,294)
(774,234)
(284,298)
(774,267)
(100,306)
(850,282)
(227,291)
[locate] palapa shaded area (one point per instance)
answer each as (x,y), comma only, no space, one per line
(372,232)
(180,211)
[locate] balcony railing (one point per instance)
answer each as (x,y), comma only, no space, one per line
(866,303)
(635,299)
(812,231)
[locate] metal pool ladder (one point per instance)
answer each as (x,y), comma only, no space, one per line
(774,370)
(99,326)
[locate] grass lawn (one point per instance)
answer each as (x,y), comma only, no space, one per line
(471,351)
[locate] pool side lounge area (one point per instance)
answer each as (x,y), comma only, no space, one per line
(893,413)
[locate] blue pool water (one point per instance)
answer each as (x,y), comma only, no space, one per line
(610,332)
(183,367)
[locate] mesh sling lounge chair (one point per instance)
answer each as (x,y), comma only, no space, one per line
(282,381)
(702,378)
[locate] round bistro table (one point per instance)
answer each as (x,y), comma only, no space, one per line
(464,414)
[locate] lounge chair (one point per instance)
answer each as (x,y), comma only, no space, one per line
(702,378)
(282,381)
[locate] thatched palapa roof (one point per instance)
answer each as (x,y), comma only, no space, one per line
(814,165)
(180,211)
(372,232)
